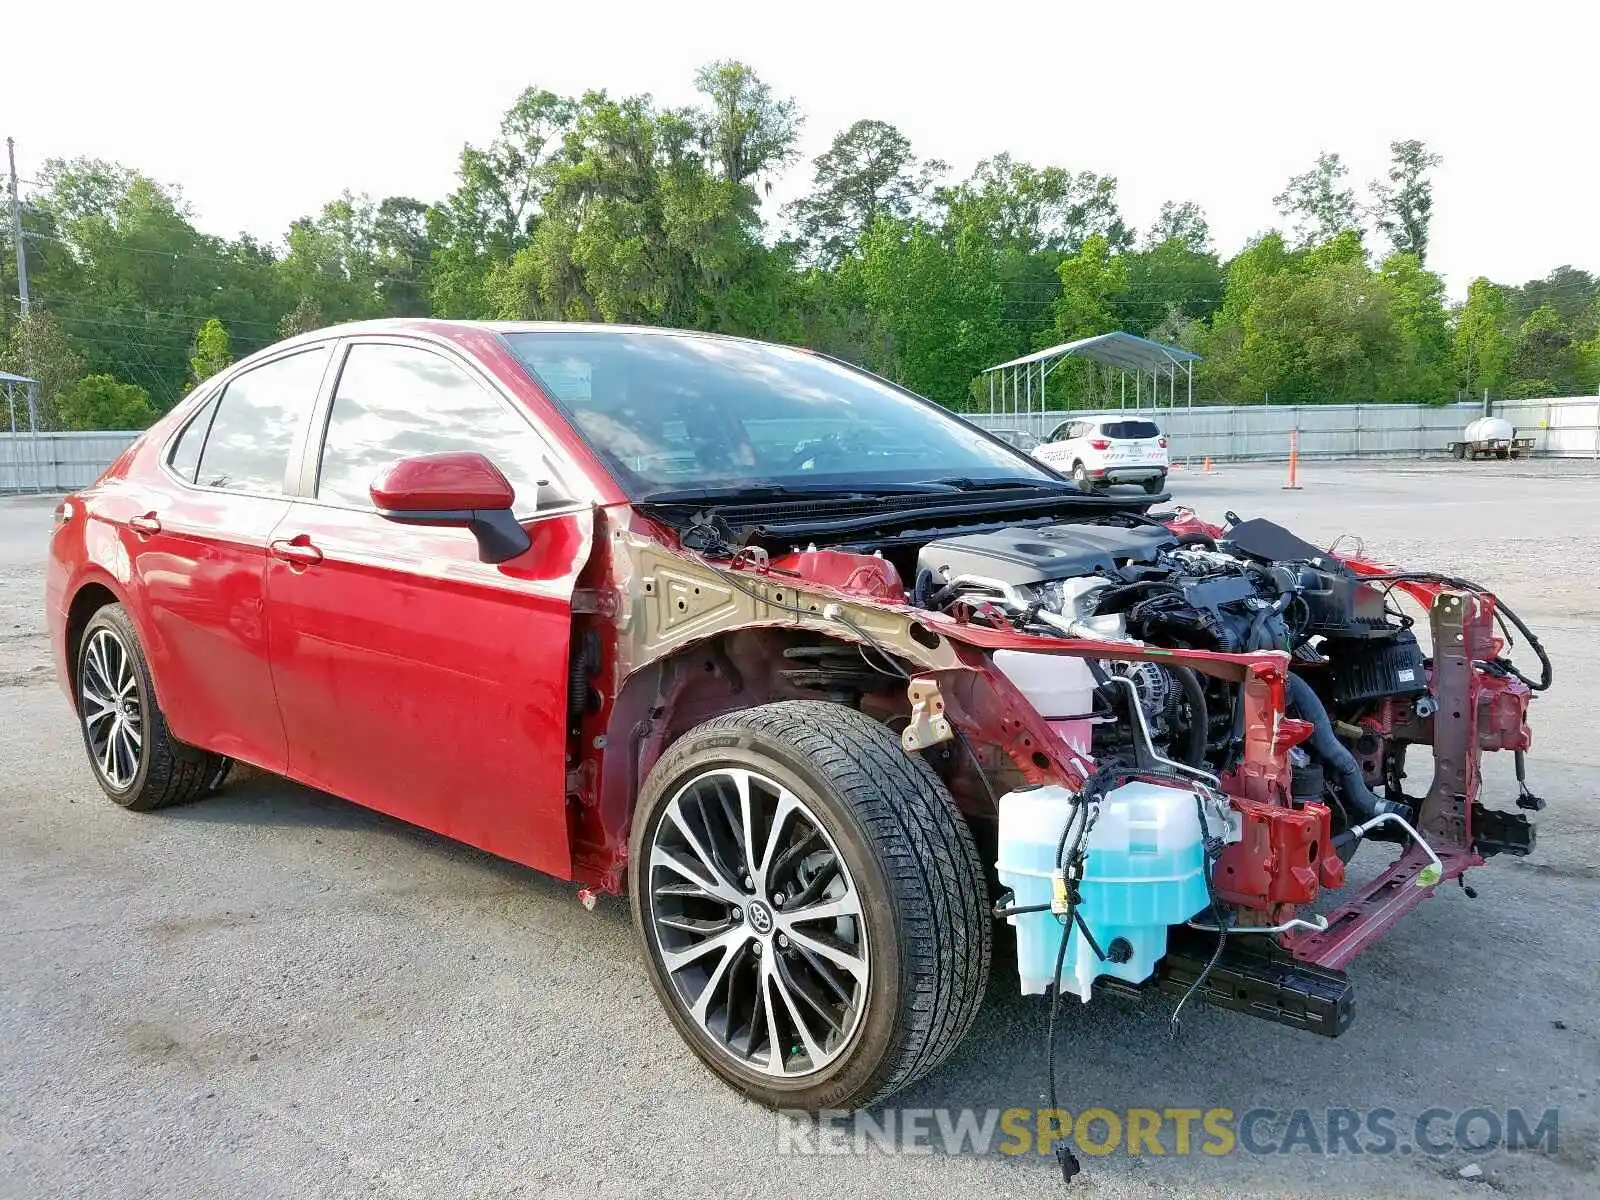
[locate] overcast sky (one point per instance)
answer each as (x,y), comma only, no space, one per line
(262,111)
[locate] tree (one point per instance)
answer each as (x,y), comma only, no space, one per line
(39,349)
(211,352)
(303,318)
(869,171)
(937,303)
(1169,281)
(1092,282)
(101,402)
(1421,372)
(491,213)
(1317,202)
(1482,349)
(745,131)
(1547,360)
(1023,207)
(1184,223)
(1403,205)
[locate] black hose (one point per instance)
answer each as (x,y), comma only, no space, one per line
(1335,755)
(1199,718)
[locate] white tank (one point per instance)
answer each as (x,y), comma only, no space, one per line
(1490,429)
(1059,686)
(1145,871)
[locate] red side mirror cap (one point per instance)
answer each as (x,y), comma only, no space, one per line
(456,481)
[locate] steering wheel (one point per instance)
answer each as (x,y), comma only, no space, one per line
(829,445)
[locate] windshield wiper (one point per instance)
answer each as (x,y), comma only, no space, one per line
(965,483)
(757,492)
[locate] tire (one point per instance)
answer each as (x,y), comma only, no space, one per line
(1152,486)
(136,760)
(903,969)
(1080,476)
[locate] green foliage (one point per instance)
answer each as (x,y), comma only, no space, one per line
(1403,204)
(39,349)
(745,131)
(868,172)
(937,304)
(1317,201)
(610,208)
(101,402)
(1482,347)
(212,352)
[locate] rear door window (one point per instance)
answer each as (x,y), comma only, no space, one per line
(260,412)
(1130,430)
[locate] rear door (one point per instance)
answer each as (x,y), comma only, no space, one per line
(198,547)
(412,677)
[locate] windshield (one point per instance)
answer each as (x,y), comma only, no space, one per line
(673,412)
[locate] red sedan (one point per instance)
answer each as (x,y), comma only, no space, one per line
(774,647)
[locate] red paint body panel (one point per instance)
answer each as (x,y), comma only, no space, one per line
(421,682)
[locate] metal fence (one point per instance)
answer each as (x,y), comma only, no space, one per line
(1563,427)
(58,462)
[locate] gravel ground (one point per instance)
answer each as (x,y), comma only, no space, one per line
(273,993)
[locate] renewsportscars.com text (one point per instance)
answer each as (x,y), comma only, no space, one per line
(1170,1131)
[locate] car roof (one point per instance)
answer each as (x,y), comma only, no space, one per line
(452,330)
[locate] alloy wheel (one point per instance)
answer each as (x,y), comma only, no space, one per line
(111,709)
(757,923)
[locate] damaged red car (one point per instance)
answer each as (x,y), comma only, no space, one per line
(836,688)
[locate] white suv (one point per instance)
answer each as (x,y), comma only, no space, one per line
(1097,451)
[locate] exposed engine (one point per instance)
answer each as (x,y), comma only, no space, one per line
(1258,587)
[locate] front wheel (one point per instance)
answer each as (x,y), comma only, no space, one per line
(137,762)
(811,905)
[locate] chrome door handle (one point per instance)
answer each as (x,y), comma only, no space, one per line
(146,524)
(297,551)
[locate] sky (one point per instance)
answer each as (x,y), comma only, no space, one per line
(262,112)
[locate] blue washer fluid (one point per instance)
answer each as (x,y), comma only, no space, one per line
(1145,871)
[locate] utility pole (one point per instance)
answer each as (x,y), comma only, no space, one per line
(16,232)
(22,286)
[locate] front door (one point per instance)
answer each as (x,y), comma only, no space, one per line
(412,677)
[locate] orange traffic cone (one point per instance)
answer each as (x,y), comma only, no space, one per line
(1208,470)
(1294,460)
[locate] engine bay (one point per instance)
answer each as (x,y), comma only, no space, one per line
(1256,587)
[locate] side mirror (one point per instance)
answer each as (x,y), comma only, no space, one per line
(462,489)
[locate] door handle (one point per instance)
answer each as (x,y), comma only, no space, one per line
(146,524)
(297,551)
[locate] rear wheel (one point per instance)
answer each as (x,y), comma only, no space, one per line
(1155,485)
(1459,450)
(811,905)
(1080,476)
(137,762)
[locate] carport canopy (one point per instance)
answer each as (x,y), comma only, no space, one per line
(1017,386)
(8,386)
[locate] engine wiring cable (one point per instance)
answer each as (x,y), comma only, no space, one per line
(1213,851)
(1503,610)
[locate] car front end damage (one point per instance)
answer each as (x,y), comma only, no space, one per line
(1236,669)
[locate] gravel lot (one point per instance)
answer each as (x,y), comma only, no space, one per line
(273,993)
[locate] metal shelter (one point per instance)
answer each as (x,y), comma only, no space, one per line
(1017,387)
(8,384)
